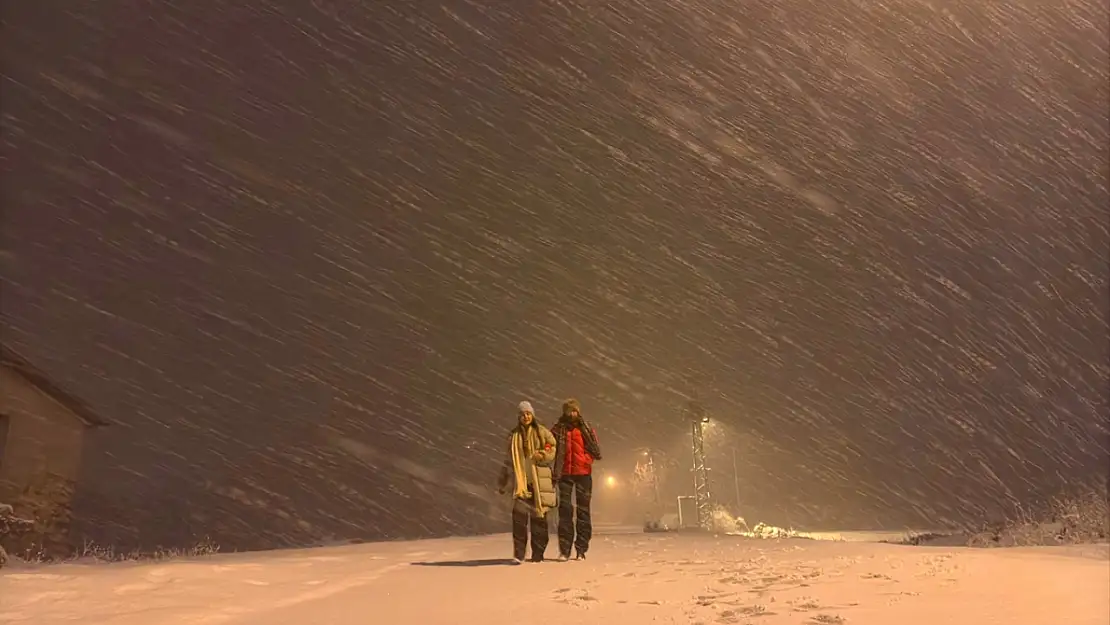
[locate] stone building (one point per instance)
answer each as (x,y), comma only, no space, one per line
(42,436)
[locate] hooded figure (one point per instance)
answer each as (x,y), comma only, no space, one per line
(576,450)
(527,472)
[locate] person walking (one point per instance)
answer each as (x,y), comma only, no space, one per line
(527,473)
(576,450)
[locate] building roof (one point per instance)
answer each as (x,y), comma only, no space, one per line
(11,359)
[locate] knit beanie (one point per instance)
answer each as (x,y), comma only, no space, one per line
(525,406)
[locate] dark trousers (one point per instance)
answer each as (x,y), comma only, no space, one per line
(575,527)
(525,521)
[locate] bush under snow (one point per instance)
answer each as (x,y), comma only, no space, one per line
(725,523)
(11,525)
(1079,520)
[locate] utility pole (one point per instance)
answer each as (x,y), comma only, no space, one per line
(702,498)
(736,482)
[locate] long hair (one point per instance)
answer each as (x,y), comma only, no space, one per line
(521,427)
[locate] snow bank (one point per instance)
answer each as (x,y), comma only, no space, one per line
(630,579)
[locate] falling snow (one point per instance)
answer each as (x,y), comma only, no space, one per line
(308,255)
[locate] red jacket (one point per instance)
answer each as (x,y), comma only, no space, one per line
(576,460)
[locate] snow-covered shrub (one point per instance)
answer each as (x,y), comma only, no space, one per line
(11,525)
(722,521)
(1070,520)
(1086,519)
(99,553)
(762,530)
(725,523)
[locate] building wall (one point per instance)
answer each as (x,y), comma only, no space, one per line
(41,460)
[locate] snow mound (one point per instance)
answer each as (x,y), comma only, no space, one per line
(725,523)
(762,530)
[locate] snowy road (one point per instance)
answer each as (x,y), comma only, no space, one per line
(630,579)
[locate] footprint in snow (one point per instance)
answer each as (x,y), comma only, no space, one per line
(826,619)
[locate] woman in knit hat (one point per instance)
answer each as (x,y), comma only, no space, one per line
(527,473)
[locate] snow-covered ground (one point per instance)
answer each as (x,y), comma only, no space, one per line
(632,579)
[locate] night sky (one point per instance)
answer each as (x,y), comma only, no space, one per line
(307,255)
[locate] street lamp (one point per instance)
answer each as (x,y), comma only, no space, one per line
(611,482)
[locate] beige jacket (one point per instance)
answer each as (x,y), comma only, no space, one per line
(525,475)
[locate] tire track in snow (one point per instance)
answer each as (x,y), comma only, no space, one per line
(232,614)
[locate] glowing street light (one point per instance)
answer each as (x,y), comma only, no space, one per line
(611,482)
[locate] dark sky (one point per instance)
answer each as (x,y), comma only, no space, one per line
(308,254)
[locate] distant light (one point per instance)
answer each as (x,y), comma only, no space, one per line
(705,419)
(610,481)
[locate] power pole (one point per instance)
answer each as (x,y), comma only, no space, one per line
(736,482)
(702,497)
